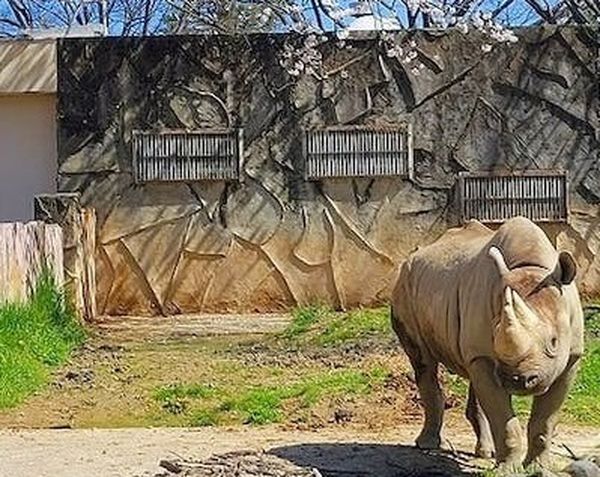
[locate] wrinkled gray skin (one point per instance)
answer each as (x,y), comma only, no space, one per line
(502,310)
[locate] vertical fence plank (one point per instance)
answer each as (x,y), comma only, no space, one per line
(25,251)
(88,282)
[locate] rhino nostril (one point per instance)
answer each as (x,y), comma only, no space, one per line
(531,380)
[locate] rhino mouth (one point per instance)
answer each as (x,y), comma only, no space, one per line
(521,383)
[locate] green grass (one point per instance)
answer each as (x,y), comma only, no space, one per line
(205,418)
(303,318)
(259,394)
(320,326)
(583,403)
(35,337)
(180,391)
(592,321)
(175,397)
(264,404)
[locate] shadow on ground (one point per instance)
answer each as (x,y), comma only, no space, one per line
(327,460)
(381,460)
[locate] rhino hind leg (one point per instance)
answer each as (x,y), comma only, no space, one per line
(426,375)
(481,426)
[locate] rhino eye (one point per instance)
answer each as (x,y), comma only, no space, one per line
(551,347)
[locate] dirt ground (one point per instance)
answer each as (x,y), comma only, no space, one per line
(137,452)
(81,425)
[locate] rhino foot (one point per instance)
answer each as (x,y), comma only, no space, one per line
(426,441)
(484,451)
(509,469)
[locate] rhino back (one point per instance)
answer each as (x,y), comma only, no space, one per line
(427,296)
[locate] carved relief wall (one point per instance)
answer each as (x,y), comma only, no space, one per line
(274,240)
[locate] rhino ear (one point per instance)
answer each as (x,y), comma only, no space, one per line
(496,255)
(565,269)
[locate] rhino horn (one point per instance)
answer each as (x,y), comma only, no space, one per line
(498,258)
(513,338)
(524,313)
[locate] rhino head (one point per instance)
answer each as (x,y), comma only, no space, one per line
(532,335)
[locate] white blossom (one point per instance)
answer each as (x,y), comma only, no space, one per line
(463,27)
(303,57)
(343,33)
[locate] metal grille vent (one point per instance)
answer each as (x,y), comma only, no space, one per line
(187,156)
(358,152)
(541,196)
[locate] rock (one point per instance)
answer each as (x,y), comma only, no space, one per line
(148,205)
(352,103)
(258,111)
(305,93)
(342,416)
(165,241)
(99,154)
(252,213)
(583,468)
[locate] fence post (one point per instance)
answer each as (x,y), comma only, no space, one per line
(79,227)
(88,223)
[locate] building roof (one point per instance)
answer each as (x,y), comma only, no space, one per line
(27,66)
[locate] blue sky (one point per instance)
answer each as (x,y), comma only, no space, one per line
(519,14)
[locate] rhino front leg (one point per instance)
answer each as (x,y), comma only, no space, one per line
(544,415)
(496,403)
(481,426)
(426,374)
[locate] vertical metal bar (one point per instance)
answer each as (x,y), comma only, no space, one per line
(240,154)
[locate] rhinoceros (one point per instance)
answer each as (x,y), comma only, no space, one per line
(501,309)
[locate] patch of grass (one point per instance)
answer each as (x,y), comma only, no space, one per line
(205,418)
(35,337)
(592,320)
(583,404)
(174,397)
(263,404)
(258,406)
(172,391)
(303,318)
(320,326)
(354,326)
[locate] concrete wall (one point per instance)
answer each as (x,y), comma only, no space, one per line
(27,152)
(27,125)
(274,240)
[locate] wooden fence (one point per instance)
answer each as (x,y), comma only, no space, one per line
(25,249)
(79,246)
(81,268)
